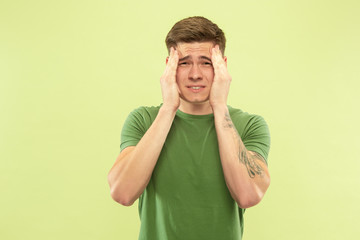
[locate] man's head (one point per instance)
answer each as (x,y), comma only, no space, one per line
(194,40)
(195,29)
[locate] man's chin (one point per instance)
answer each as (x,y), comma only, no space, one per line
(195,101)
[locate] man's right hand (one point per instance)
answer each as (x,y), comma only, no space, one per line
(169,87)
(134,166)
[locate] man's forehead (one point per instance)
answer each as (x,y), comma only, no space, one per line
(195,48)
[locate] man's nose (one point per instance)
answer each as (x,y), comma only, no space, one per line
(195,73)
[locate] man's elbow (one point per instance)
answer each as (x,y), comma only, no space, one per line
(247,202)
(123,199)
(251,199)
(119,195)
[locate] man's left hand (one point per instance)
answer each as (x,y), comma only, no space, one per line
(222,79)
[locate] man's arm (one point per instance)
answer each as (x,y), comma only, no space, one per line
(246,173)
(133,167)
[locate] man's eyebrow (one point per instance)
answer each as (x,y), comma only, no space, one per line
(184,58)
(206,58)
(188,56)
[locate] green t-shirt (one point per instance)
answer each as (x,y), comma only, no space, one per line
(187,197)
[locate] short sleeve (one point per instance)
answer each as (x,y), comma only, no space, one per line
(133,129)
(257,136)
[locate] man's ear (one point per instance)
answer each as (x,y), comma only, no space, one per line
(167,60)
(225,60)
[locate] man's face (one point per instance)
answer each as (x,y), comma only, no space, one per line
(195,72)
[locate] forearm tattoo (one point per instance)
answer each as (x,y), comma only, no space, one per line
(250,161)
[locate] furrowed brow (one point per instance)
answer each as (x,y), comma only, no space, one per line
(206,58)
(184,58)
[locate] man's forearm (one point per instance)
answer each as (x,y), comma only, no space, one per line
(129,176)
(245,172)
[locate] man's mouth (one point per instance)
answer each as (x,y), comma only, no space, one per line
(195,89)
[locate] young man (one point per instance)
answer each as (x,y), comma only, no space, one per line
(193,162)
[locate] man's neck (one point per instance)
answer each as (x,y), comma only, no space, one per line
(195,108)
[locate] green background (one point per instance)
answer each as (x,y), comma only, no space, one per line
(71,71)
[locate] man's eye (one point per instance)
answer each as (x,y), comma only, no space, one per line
(207,63)
(183,63)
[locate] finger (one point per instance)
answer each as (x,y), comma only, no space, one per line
(169,61)
(171,67)
(174,59)
(170,57)
(171,52)
(214,51)
(215,58)
(218,51)
(218,54)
